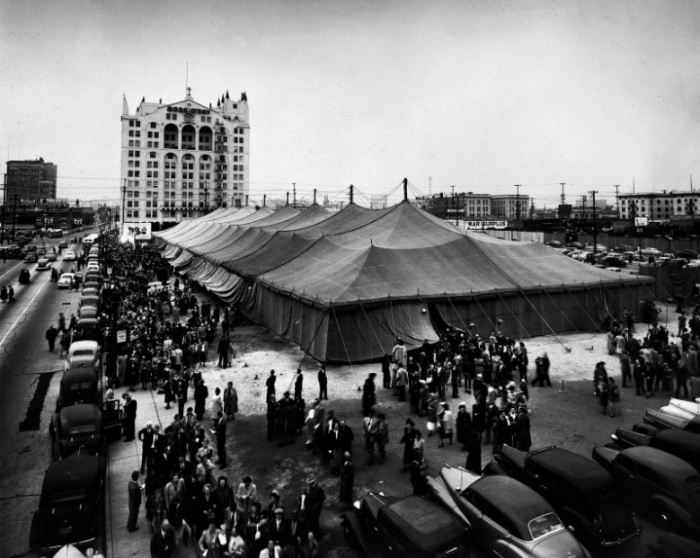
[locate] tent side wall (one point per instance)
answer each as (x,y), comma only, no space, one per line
(299,322)
(540,313)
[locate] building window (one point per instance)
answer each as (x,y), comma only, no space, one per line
(153,124)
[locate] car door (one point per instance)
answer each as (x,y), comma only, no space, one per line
(486,528)
(624,472)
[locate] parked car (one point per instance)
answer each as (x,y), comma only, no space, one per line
(614,261)
(91,291)
(69,256)
(410,527)
(71,506)
(88,329)
(507,518)
(662,421)
(680,443)
(85,425)
(686,253)
(87,312)
(84,354)
(65,280)
(90,300)
(79,385)
(582,492)
(672,545)
(93,266)
(658,484)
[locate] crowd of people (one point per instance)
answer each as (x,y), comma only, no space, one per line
(190,509)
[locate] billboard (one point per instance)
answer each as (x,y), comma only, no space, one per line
(140,231)
(480,225)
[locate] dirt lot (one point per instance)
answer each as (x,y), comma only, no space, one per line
(566,414)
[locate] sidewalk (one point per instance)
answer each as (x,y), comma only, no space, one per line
(123,459)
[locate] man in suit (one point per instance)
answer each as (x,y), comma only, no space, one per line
(220,431)
(134,489)
(163,541)
(322,383)
(146,438)
(129,417)
(278,528)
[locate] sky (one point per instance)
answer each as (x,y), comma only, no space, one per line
(479,95)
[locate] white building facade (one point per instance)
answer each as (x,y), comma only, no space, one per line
(659,206)
(183,159)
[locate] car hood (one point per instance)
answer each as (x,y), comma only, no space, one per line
(561,544)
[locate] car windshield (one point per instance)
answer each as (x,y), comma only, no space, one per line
(78,386)
(82,430)
(65,497)
(84,352)
(544,524)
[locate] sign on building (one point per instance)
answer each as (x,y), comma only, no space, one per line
(481,225)
(641,221)
(140,231)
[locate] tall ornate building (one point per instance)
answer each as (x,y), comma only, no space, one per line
(183,159)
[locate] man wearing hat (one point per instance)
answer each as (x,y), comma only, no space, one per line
(278,528)
(314,504)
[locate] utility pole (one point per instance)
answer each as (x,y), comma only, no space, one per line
(517,202)
(294,190)
(352,194)
(617,199)
(121,217)
(14,220)
(206,201)
(314,196)
(595,246)
(2,222)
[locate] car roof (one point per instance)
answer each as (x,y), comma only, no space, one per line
(576,469)
(682,438)
(428,525)
(517,502)
(79,374)
(77,472)
(660,460)
(81,413)
(84,345)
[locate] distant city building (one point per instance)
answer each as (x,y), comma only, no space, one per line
(659,206)
(510,206)
(30,181)
(183,159)
(460,205)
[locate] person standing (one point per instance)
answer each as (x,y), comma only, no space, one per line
(347,478)
(230,401)
(298,384)
(369,395)
(134,489)
(220,431)
(445,428)
(408,438)
(129,417)
(314,504)
(217,404)
(163,541)
(382,436)
(223,350)
(200,399)
(402,382)
(51,335)
(523,438)
(322,383)
(270,383)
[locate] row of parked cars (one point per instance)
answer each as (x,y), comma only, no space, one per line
(552,502)
(72,504)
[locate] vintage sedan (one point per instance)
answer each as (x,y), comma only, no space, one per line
(680,443)
(87,312)
(409,527)
(79,385)
(656,483)
(69,256)
(661,421)
(581,490)
(65,280)
(506,517)
(71,507)
(43,264)
(85,425)
(82,354)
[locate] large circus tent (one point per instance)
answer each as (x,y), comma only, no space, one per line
(344,285)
